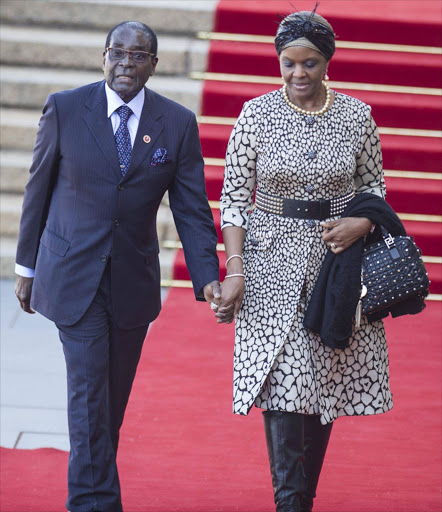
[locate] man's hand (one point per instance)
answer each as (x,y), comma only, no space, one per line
(342,233)
(23,288)
(212,292)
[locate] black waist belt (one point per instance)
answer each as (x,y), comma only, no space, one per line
(297,209)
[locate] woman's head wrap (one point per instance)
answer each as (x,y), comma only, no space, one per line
(308,29)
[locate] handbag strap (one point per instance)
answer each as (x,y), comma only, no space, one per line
(389,242)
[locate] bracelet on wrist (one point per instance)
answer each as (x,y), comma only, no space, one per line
(234,256)
(235,275)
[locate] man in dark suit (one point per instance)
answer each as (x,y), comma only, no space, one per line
(87,254)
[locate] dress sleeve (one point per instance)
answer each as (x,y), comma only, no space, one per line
(240,172)
(369,175)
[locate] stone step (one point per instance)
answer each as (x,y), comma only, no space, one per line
(8,247)
(14,170)
(10,210)
(18,128)
(80,49)
(29,87)
(171,16)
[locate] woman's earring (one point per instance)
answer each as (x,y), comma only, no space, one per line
(326,78)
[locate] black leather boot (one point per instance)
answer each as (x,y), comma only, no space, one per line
(285,445)
(316,437)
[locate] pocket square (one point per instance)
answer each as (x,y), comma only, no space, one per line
(160,157)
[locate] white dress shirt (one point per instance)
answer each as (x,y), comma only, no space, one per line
(113,102)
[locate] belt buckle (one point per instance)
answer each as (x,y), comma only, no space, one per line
(324,209)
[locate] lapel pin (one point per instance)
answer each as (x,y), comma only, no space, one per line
(146,139)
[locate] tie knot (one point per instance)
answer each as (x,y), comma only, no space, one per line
(124,112)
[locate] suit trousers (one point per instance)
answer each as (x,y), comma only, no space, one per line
(101,362)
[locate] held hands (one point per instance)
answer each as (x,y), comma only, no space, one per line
(232,291)
(212,294)
(342,233)
(23,288)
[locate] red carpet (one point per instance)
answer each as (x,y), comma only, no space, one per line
(183,450)
(407,22)
(393,68)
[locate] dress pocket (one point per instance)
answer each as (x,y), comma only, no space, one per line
(257,240)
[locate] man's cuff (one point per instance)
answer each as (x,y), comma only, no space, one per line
(24,271)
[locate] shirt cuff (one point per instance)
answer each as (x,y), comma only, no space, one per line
(24,271)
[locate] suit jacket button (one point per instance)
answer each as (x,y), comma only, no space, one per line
(116,222)
(120,187)
(103,258)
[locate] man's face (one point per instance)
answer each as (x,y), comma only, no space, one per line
(125,76)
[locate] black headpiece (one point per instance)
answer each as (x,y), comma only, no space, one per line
(310,26)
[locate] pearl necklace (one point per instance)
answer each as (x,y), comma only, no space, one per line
(308,112)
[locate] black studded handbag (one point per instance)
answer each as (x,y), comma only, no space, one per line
(392,271)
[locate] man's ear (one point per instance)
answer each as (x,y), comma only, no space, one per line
(154,65)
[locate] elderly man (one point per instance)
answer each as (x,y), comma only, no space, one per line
(87,254)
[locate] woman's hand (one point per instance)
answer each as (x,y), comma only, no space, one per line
(232,293)
(342,233)
(232,289)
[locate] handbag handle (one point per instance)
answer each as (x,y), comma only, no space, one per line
(389,242)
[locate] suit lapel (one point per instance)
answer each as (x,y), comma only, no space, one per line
(150,127)
(101,127)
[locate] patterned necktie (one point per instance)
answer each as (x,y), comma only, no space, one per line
(122,138)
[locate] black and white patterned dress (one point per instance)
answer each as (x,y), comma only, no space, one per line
(278,364)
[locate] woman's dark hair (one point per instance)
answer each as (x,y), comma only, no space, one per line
(136,25)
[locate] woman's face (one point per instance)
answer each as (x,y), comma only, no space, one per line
(303,70)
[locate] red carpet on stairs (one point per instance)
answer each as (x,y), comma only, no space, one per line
(393,68)
(408,22)
(405,98)
(182,450)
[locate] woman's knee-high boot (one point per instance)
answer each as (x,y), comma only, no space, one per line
(316,437)
(285,445)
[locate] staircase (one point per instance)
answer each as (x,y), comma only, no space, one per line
(388,55)
(49,45)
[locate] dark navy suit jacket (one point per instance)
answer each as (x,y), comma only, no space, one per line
(78,209)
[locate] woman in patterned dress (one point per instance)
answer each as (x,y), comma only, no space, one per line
(298,145)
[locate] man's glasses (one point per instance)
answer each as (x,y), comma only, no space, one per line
(137,56)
